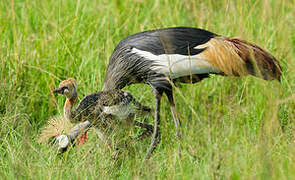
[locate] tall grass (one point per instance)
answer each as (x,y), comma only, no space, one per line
(234,128)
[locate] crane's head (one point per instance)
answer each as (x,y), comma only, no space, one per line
(67,88)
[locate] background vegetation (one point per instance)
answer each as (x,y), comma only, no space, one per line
(234,128)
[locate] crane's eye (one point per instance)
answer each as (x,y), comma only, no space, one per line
(65,89)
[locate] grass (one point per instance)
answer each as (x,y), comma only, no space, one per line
(234,128)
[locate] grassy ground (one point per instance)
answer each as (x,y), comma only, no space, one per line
(234,128)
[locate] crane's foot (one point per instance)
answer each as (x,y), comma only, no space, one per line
(179,133)
(154,143)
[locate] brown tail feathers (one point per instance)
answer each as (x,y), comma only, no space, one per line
(235,57)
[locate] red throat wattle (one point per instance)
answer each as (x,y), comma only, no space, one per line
(83,139)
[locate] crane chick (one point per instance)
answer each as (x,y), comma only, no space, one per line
(103,109)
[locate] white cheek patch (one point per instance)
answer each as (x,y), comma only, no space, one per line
(178,65)
(63,141)
(66,91)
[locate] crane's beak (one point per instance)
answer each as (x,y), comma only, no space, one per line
(58,90)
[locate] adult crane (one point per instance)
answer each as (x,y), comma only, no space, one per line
(161,57)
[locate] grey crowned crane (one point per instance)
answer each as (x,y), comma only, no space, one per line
(103,110)
(64,140)
(161,57)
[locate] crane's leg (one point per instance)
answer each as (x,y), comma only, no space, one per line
(148,130)
(156,135)
(172,108)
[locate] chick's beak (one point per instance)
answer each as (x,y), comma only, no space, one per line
(58,90)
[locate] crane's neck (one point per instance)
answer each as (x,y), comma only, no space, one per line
(69,104)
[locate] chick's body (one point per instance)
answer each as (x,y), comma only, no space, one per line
(107,107)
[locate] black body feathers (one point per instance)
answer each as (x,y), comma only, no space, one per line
(126,67)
